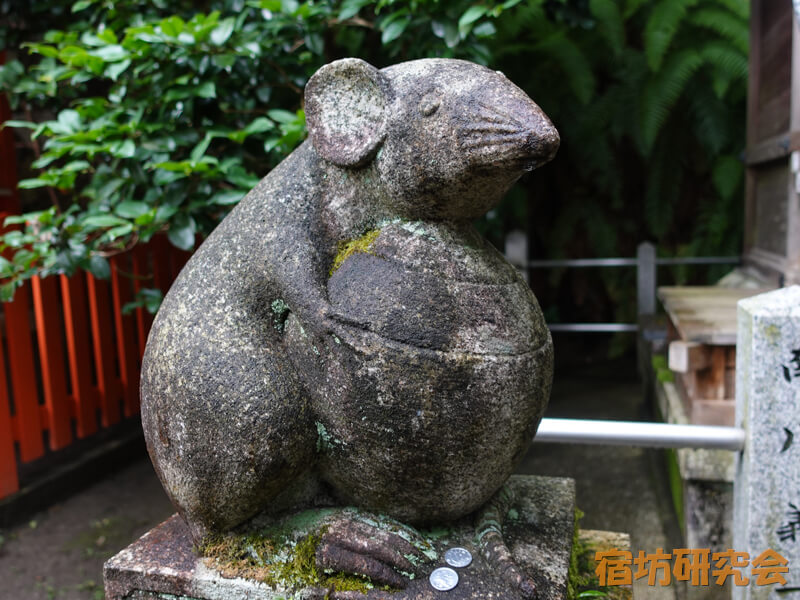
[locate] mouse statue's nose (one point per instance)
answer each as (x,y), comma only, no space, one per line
(542,141)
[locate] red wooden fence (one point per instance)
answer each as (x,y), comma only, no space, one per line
(69,361)
(69,357)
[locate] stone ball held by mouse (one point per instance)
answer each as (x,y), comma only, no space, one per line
(345,330)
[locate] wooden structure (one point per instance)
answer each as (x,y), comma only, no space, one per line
(772,209)
(702,349)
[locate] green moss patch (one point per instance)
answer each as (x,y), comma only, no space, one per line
(281,556)
(661,368)
(582,582)
(349,247)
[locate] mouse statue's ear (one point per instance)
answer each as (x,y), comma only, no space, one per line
(346,105)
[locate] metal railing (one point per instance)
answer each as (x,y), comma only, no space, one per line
(639,434)
(646,263)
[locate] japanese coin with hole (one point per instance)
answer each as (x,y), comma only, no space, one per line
(444,579)
(458,557)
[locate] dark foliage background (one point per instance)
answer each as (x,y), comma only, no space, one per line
(159,116)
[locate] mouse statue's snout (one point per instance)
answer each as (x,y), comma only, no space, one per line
(541,142)
(507,129)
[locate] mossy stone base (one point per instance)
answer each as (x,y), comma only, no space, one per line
(538,531)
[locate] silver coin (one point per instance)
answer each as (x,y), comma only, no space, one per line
(444,579)
(458,557)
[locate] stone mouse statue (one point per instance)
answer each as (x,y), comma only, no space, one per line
(345,328)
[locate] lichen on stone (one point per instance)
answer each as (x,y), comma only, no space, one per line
(280,312)
(325,441)
(348,247)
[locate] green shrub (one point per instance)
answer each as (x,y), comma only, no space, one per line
(160,117)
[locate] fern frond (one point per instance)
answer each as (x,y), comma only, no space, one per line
(728,26)
(740,8)
(575,66)
(726,59)
(663,91)
(709,119)
(661,27)
(610,23)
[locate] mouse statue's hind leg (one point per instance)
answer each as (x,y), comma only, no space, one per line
(227,425)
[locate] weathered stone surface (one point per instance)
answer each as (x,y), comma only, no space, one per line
(345,329)
(767,484)
(539,531)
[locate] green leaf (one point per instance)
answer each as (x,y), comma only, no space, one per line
(99,267)
(152,299)
(80,5)
(130,209)
(165,212)
(119,231)
(289,7)
(6,268)
(7,290)
(111,53)
(114,70)
(472,14)
(123,148)
(315,43)
(172,26)
(76,165)
(200,149)
(260,125)
(446,30)
(350,8)
(727,176)
(182,231)
(485,29)
(223,31)
(13,123)
(97,221)
(228,197)
(207,89)
(30,184)
(281,116)
(70,120)
(394,29)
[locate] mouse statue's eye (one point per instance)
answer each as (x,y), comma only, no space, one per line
(429,104)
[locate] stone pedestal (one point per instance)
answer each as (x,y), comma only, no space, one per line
(538,531)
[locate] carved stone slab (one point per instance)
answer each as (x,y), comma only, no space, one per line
(162,564)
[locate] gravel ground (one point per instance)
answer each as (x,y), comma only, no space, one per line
(59,554)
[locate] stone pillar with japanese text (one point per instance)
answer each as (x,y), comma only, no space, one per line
(767,484)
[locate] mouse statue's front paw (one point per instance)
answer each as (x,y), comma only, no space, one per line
(356,547)
(489,531)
